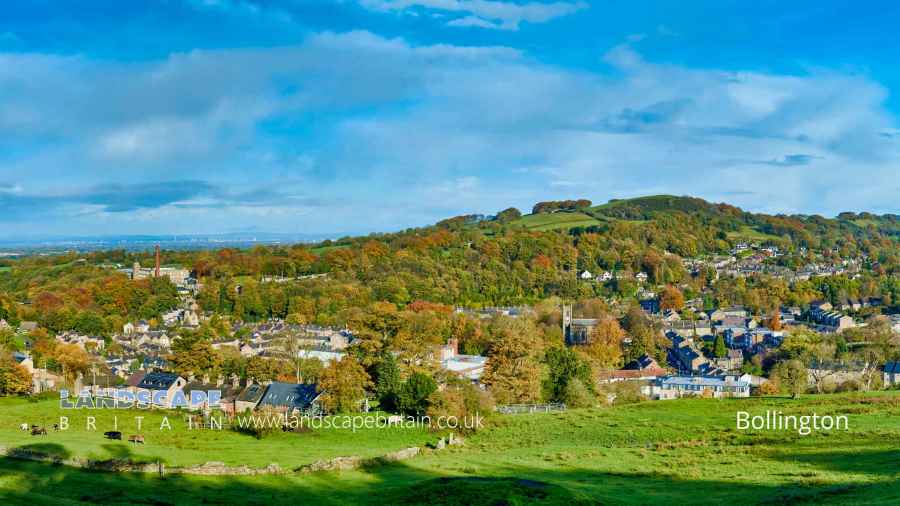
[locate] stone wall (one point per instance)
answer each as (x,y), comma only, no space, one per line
(219,468)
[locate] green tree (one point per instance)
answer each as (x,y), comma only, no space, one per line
(719,349)
(414,396)
(563,367)
(388,384)
(792,377)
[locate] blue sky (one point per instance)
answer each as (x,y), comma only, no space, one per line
(351,116)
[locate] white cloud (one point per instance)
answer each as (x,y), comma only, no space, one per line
(484,13)
(411,134)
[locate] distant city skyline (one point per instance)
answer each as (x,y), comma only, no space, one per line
(326,117)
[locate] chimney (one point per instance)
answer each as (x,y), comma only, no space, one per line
(235,380)
(206,379)
(157,260)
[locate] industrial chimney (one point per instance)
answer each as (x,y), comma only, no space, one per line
(157,260)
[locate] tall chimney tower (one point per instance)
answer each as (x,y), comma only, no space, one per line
(157,260)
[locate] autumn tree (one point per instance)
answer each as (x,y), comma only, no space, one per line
(343,385)
(605,344)
(513,371)
(14,378)
(671,298)
(72,358)
(200,358)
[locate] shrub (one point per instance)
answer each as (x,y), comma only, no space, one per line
(849,386)
(577,395)
(464,402)
(768,388)
(260,424)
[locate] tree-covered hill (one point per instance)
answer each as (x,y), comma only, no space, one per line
(477,260)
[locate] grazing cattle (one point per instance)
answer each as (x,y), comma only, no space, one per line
(136,439)
(24,426)
(113,435)
(56,426)
(38,431)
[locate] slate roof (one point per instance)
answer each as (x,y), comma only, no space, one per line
(158,381)
(252,393)
(892,367)
(289,395)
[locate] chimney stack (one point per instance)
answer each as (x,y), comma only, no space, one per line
(157,260)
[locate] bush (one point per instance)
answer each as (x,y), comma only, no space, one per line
(768,388)
(260,424)
(577,395)
(849,386)
(464,402)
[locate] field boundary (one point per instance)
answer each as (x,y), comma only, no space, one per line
(215,468)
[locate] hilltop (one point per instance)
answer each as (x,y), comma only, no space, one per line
(738,224)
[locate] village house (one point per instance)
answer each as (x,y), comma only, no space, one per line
(674,387)
(249,397)
(604,276)
(644,368)
(291,398)
(891,374)
(24,360)
(27,326)
(96,382)
(162,381)
(687,354)
(468,366)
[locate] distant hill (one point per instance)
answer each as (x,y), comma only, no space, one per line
(733,222)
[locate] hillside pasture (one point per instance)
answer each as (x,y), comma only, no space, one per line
(675,452)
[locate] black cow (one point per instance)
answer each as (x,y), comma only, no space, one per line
(113,434)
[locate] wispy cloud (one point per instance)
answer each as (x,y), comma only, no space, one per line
(483,13)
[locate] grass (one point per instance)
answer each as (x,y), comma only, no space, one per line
(751,234)
(677,452)
(555,221)
(182,446)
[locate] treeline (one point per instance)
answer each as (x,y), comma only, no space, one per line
(552,206)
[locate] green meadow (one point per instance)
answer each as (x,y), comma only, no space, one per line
(664,452)
(555,221)
(170,439)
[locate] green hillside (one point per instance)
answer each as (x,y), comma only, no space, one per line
(555,221)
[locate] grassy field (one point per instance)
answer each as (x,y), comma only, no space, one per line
(555,221)
(182,446)
(670,452)
(751,234)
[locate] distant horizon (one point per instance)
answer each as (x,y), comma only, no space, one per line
(273,237)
